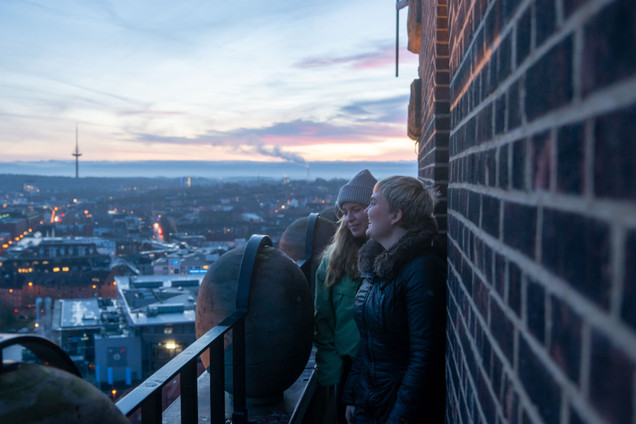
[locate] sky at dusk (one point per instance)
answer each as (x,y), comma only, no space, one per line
(203,80)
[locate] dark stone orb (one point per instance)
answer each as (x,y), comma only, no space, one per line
(292,242)
(31,393)
(278,327)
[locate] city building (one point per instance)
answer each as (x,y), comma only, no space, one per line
(52,261)
(94,334)
(53,267)
(160,311)
(187,261)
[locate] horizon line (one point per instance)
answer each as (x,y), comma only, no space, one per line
(216,161)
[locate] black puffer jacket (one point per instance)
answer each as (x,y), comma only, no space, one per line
(400,309)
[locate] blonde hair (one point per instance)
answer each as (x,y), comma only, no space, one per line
(413,198)
(343,255)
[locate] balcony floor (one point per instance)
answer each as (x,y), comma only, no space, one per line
(271,414)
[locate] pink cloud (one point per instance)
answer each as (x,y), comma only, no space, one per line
(151,112)
(383,56)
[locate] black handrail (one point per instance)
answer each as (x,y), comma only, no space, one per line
(306,262)
(298,415)
(148,394)
(306,266)
(45,350)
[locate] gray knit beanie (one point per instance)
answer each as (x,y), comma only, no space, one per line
(358,190)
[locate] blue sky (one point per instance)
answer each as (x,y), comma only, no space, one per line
(203,80)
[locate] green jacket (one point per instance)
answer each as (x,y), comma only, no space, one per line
(335,331)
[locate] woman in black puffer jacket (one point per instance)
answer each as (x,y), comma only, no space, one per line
(400,309)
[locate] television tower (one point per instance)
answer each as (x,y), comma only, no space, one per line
(77,154)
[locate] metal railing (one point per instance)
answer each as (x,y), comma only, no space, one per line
(307,261)
(306,265)
(45,350)
(147,395)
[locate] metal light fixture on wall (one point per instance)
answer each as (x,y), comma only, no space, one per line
(413,25)
(399,4)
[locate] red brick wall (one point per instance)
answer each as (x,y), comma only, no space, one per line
(541,205)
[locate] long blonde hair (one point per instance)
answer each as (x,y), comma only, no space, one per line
(343,255)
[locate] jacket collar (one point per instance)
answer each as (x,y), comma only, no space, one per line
(387,264)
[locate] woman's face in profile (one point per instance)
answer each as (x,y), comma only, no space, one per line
(379,217)
(355,217)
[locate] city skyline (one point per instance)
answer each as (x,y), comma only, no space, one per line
(280,81)
(207,169)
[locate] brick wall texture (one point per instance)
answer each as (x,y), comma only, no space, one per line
(529,130)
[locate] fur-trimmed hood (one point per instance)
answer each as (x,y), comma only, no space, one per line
(387,264)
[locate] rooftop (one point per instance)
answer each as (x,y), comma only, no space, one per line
(159,299)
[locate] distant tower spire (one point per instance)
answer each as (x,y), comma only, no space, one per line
(77,154)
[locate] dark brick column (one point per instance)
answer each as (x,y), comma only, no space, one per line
(434,100)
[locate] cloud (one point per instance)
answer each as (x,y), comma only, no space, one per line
(248,144)
(293,133)
(382,56)
(388,110)
(151,112)
(360,122)
(214,140)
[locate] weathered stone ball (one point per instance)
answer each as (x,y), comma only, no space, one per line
(292,242)
(331,213)
(31,393)
(279,324)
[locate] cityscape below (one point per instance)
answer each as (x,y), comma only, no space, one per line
(109,268)
(297,169)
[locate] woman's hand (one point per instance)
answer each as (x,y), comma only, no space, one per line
(349,413)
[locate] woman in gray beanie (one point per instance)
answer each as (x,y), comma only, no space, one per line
(336,335)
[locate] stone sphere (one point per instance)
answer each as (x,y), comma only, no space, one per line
(279,324)
(331,213)
(31,393)
(292,242)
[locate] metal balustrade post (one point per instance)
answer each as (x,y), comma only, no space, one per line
(309,235)
(151,408)
(307,262)
(239,415)
(189,395)
(217,383)
(255,243)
